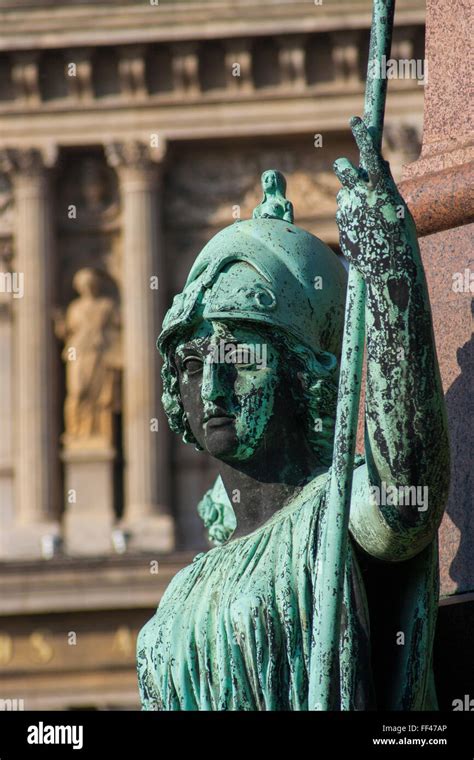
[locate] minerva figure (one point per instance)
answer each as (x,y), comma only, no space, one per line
(236,629)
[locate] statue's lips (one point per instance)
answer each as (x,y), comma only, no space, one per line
(218,421)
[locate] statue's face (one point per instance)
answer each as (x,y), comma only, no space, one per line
(86,282)
(229,383)
(269,180)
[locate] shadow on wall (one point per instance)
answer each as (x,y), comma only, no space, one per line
(460,505)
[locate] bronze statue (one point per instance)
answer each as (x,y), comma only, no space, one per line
(237,629)
(321,592)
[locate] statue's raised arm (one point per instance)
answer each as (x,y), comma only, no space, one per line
(406,438)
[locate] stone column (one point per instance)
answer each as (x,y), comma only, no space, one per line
(7,294)
(438,190)
(147,520)
(35,436)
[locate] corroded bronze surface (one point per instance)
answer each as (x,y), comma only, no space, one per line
(238,628)
(285,613)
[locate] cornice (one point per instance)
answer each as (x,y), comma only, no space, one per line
(73,25)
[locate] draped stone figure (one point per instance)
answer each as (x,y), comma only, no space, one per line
(92,354)
(251,352)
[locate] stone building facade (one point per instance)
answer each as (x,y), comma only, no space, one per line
(130,132)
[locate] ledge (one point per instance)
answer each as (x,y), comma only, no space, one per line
(93,24)
(65,584)
(440,200)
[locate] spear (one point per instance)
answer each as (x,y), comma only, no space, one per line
(335,531)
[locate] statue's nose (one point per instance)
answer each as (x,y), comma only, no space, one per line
(213,384)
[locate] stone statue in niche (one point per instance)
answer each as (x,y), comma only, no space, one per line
(251,352)
(91,332)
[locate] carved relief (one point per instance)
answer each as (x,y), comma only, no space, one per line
(194,67)
(79,73)
(238,65)
(133,154)
(88,195)
(6,205)
(185,67)
(345,54)
(292,54)
(25,161)
(132,71)
(7,277)
(101,250)
(25,76)
(215,189)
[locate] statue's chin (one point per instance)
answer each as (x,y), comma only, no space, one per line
(219,437)
(222,442)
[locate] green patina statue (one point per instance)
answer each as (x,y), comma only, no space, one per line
(252,350)
(274,204)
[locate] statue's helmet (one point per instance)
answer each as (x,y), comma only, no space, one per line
(268,271)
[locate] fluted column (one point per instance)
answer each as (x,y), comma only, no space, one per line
(7,515)
(146,461)
(35,438)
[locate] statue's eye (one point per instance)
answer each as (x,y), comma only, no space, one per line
(192,364)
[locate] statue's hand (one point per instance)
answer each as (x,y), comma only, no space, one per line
(377,233)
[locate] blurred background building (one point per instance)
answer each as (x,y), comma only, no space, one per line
(130,133)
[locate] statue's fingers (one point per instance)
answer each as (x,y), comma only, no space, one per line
(346,172)
(370,158)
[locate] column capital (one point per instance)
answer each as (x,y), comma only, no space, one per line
(29,162)
(135,160)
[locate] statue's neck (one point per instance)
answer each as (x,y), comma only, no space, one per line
(274,476)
